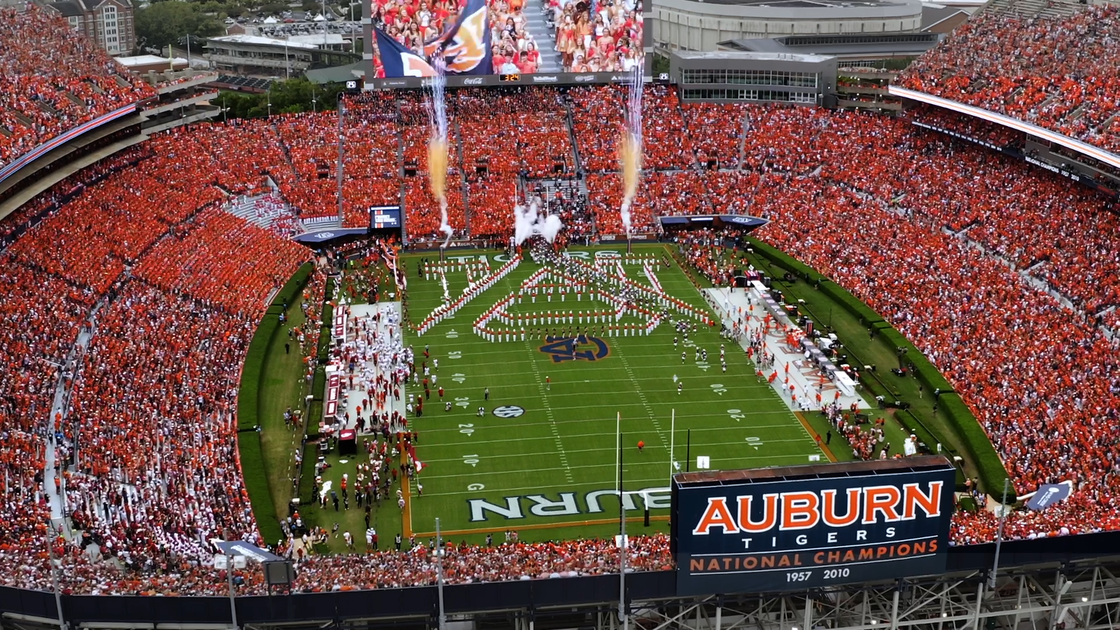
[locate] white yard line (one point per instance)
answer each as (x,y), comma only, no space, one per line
(551,419)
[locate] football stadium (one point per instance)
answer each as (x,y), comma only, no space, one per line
(481,346)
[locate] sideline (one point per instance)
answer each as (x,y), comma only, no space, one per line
(816,436)
(495,530)
(406,488)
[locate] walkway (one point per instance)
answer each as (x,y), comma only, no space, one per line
(536,25)
(353,397)
(58,410)
(744,305)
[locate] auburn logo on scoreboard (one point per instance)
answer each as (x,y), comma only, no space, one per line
(786,511)
(796,527)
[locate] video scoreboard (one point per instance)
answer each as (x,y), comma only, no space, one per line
(798,527)
(385,217)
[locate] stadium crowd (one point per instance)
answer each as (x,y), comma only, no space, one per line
(51,81)
(597,36)
(139,255)
(863,199)
(1061,73)
(212,247)
(463,564)
(158,474)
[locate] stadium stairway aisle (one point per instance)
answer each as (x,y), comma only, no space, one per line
(62,392)
(545,37)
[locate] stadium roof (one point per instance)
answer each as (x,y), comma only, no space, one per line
(336,74)
(68,8)
(810,4)
(948,18)
(896,44)
(258,40)
(752,55)
(147,60)
(319,39)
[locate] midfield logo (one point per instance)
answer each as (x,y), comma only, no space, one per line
(581,348)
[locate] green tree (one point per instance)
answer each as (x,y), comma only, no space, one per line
(287,97)
(163,23)
(239,105)
(292,93)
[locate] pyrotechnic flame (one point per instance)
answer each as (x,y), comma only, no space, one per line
(630,147)
(437,145)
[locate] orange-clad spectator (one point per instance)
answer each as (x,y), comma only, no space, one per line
(52,81)
(1059,72)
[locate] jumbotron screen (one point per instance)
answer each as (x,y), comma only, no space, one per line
(506,39)
(384,217)
(798,527)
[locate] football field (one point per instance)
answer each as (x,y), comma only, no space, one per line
(541,458)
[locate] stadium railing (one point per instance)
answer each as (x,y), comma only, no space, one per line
(532,595)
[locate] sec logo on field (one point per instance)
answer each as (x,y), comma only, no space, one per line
(508,411)
(581,348)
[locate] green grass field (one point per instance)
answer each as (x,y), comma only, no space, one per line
(549,471)
(542,458)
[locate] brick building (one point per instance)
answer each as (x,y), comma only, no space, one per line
(108,22)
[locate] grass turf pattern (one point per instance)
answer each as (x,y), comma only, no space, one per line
(549,471)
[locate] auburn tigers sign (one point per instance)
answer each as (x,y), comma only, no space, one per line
(798,527)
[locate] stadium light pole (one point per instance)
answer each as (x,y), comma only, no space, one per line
(54,571)
(672,442)
(341,114)
(622,616)
(439,575)
(999,534)
(324,14)
(229,579)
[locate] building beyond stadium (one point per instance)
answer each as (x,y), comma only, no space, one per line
(695,25)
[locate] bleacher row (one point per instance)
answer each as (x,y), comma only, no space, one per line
(182,284)
(1041,62)
(178,286)
(386,136)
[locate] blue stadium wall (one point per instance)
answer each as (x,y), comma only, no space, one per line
(476,598)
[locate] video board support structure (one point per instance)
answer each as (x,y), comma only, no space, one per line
(999,532)
(959,601)
(1090,602)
